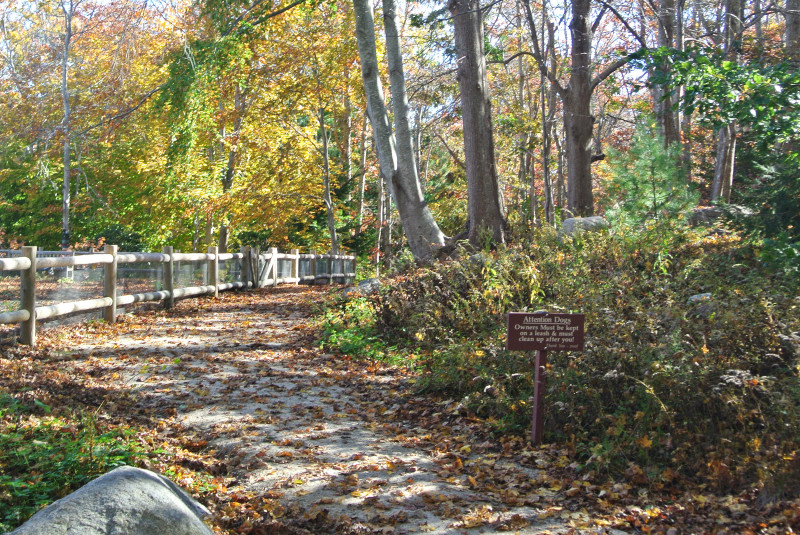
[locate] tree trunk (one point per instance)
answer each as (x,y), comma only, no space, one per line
(378,238)
(685,119)
(548,95)
(326,179)
(724,165)
(68,9)
(485,205)
(561,190)
(577,99)
(792,34)
(420,228)
(666,118)
(362,171)
(578,120)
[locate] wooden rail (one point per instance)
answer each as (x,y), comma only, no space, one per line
(257,270)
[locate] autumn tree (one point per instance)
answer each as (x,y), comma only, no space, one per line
(576,96)
(731,45)
(394,146)
(80,69)
(485,203)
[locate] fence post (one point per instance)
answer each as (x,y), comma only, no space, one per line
(213,269)
(296,265)
(169,280)
(313,266)
(273,251)
(245,250)
(28,297)
(110,284)
(255,266)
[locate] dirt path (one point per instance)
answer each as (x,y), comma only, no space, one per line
(320,444)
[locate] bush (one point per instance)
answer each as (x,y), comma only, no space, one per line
(704,387)
(647,180)
(44,457)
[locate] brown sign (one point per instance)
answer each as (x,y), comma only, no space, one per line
(544,331)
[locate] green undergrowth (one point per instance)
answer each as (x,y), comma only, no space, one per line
(44,456)
(690,370)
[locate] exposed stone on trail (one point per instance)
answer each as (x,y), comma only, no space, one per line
(125,501)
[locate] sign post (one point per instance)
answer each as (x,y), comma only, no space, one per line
(541,331)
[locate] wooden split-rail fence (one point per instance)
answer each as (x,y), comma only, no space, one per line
(252,269)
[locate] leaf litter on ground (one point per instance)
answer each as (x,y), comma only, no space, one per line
(235,404)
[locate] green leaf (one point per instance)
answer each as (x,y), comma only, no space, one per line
(44,407)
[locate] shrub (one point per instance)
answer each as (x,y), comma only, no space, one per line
(704,387)
(44,457)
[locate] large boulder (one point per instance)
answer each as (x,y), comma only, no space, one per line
(575,225)
(125,501)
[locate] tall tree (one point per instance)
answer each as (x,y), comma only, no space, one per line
(68,8)
(668,18)
(792,33)
(485,204)
(724,164)
(397,161)
(576,96)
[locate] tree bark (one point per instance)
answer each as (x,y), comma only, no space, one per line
(326,179)
(578,120)
(362,171)
(792,34)
(724,164)
(666,118)
(485,205)
(548,113)
(68,9)
(420,228)
(576,97)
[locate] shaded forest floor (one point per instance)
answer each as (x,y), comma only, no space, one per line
(233,400)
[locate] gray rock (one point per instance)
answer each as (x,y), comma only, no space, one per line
(369,285)
(125,501)
(790,346)
(702,305)
(708,215)
(699,298)
(365,287)
(479,259)
(575,225)
(705,215)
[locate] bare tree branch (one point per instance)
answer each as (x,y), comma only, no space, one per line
(124,113)
(512,58)
(624,22)
(238,20)
(611,69)
(453,154)
(537,53)
(599,18)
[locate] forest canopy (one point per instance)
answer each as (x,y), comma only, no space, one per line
(147,123)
